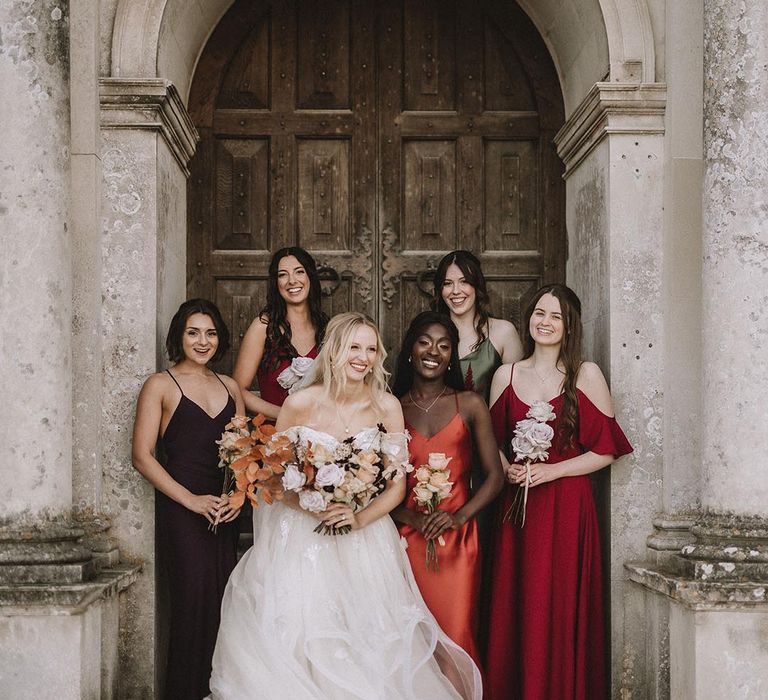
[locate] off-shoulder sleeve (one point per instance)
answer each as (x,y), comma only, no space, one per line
(394,454)
(500,412)
(599,433)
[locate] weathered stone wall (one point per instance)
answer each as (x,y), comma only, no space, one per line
(35,280)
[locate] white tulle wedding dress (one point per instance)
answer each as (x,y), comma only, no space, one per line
(314,617)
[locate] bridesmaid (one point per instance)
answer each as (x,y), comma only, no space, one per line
(546,638)
(484,342)
(443,418)
(188,406)
(286,333)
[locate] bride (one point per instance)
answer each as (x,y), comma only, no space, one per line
(307,616)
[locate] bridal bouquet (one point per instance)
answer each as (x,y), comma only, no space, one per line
(347,474)
(248,461)
(432,486)
(533,437)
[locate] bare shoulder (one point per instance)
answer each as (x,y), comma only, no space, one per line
(230,383)
(258,327)
(592,383)
(393,413)
(505,339)
(472,401)
(500,381)
(302,400)
(157,384)
(501,328)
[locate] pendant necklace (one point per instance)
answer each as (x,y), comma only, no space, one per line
(426,410)
(546,376)
(343,423)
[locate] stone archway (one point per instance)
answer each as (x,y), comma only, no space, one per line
(612,146)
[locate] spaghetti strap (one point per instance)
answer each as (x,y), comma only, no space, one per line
(222,384)
(175,382)
(511,372)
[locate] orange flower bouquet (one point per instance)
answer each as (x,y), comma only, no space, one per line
(252,461)
(432,487)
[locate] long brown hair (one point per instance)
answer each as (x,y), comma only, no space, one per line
(570,353)
(473,273)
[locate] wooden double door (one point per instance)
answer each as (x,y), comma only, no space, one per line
(378,136)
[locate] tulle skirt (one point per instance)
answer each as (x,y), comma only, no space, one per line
(316,617)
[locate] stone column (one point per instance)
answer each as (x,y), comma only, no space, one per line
(716,588)
(55,604)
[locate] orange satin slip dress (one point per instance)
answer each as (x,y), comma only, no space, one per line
(451,592)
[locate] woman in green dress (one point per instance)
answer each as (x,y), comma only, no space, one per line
(485,343)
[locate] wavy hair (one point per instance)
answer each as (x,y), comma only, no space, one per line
(404,371)
(570,353)
(332,359)
(275,312)
(173,341)
(473,273)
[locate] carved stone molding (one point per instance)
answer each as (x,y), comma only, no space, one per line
(721,564)
(610,108)
(150,104)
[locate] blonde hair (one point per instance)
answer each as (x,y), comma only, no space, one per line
(331,361)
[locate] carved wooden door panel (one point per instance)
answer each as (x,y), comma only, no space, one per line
(284,99)
(469,104)
(379,136)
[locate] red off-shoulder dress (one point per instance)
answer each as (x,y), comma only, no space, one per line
(546,632)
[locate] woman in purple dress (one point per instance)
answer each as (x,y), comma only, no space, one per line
(284,338)
(188,407)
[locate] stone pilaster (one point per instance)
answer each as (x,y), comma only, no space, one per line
(147,140)
(716,585)
(613,150)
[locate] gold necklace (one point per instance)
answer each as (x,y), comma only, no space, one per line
(343,423)
(546,376)
(420,407)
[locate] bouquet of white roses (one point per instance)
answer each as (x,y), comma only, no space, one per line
(533,437)
(347,474)
(432,487)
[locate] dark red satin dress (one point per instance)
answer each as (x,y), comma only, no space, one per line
(546,632)
(451,592)
(267,374)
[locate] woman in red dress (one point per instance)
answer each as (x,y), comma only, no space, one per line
(279,345)
(546,638)
(441,417)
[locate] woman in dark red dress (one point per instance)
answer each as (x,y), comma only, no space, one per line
(285,337)
(188,406)
(547,638)
(441,417)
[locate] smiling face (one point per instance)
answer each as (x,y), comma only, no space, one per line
(431,352)
(546,325)
(458,294)
(200,339)
(292,280)
(361,353)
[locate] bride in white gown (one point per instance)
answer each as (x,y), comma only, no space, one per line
(307,616)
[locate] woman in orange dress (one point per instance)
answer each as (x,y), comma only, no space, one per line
(443,418)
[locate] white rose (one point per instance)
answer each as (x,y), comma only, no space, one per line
(439,479)
(524,427)
(541,411)
(438,460)
(329,475)
(541,435)
(295,371)
(522,447)
(293,479)
(312,500)
(228,440)
(422,493)
(423,474)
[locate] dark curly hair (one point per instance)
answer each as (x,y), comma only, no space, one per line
(473,273)
(570,353)
(173,341)
(279,346)
(404,370)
